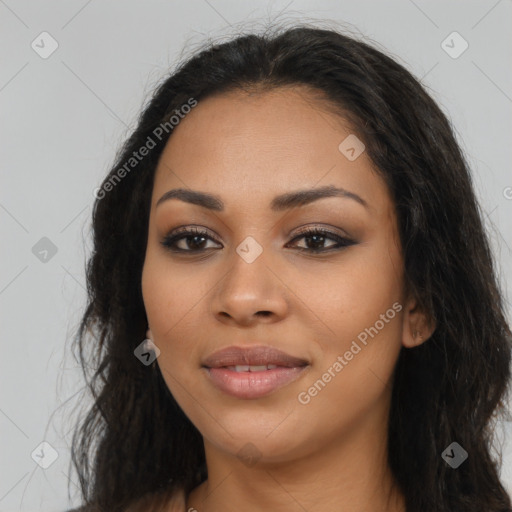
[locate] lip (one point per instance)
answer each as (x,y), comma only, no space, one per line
(252,384)
(253,356)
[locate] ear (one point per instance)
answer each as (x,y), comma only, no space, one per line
(415,328)
(149,334)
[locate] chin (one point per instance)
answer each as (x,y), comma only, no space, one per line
(262,442)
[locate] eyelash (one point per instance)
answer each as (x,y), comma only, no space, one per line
(170,240)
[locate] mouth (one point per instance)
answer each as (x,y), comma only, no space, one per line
(252,372)
(252,368)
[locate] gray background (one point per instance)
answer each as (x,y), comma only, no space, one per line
(64,117)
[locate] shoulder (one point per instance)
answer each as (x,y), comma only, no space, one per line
(177,501)
(168,501)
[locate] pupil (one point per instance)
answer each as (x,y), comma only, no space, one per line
(319,239)
(194,238)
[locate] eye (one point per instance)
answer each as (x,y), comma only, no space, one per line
(193,237)
(193,240)
(319,236)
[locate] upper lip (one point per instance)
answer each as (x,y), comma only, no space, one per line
(252,356)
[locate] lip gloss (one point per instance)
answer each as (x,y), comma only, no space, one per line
(252,384)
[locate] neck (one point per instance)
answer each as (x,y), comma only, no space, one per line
(347,474)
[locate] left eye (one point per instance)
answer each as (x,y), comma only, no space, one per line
(195,238)
(319,236)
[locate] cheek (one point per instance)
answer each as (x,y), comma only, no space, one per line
(360,304)
(372,282)
(173,300)
(350,296)
(353,379)
(170,295)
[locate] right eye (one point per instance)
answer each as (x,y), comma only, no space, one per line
(192,237)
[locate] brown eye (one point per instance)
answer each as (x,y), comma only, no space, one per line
(195,240)
(319,236)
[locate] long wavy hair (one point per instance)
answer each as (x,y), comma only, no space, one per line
(135,446)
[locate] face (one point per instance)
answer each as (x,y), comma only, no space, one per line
(254,271)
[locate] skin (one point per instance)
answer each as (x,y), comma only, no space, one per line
(331,453)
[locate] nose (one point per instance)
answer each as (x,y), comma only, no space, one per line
(250,293)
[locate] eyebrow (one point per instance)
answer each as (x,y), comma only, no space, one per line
(279,203)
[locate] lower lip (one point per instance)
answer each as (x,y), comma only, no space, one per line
(248,385)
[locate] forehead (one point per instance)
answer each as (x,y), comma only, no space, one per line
(257,145)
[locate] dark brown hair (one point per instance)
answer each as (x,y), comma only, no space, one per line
(136,442)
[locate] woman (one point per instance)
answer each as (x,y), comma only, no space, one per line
(292,228)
